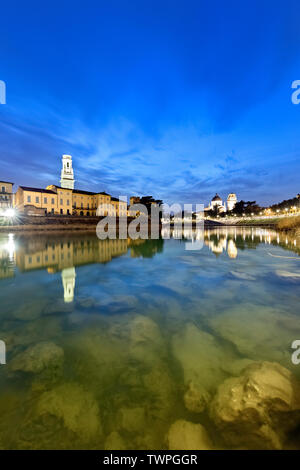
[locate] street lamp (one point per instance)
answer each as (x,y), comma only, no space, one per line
(9,213)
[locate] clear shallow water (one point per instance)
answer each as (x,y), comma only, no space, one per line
(105,338)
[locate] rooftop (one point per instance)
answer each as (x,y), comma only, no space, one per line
(37,190)
(80,191)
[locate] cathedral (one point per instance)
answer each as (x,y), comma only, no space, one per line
(218,205)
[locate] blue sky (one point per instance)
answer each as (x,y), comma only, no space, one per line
(177,99)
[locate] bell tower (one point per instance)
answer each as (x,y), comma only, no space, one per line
(67,174)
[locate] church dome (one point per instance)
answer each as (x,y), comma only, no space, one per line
(216,198)
(231,197)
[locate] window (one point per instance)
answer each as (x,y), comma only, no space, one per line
(52,200)
(37,199)
(3,189)
(61,202)
(68,202)
(61,211)
(28,198)
(45,200)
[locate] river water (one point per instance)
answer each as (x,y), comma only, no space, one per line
(107,341)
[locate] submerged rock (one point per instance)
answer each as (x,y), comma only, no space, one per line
(30,310)
(145,340)
(132,419)
(37,358)
(143,329)
(114,441)
(161,390)
(245,327)
(196,398)
(75,406)
(257,409)
(203,360)
(184,435)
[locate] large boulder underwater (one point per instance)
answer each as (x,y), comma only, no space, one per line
(258,409)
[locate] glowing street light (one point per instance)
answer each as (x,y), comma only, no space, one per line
(9,213)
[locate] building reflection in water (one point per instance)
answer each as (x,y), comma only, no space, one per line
(232,239)
(65,253)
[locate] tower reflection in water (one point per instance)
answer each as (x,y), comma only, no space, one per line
(68,276)
(65,253)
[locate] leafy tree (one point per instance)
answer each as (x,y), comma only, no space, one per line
(246,207)
(287,204)
(148,201)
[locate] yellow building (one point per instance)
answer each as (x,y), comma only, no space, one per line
(6,196)
(120,207)
(63,201)
(36,201)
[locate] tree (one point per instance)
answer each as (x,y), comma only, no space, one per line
(286,204)
(246,207)
(148,201)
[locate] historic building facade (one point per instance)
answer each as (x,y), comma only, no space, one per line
(65,200)
(218,205)
(231,201)
(6,196)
